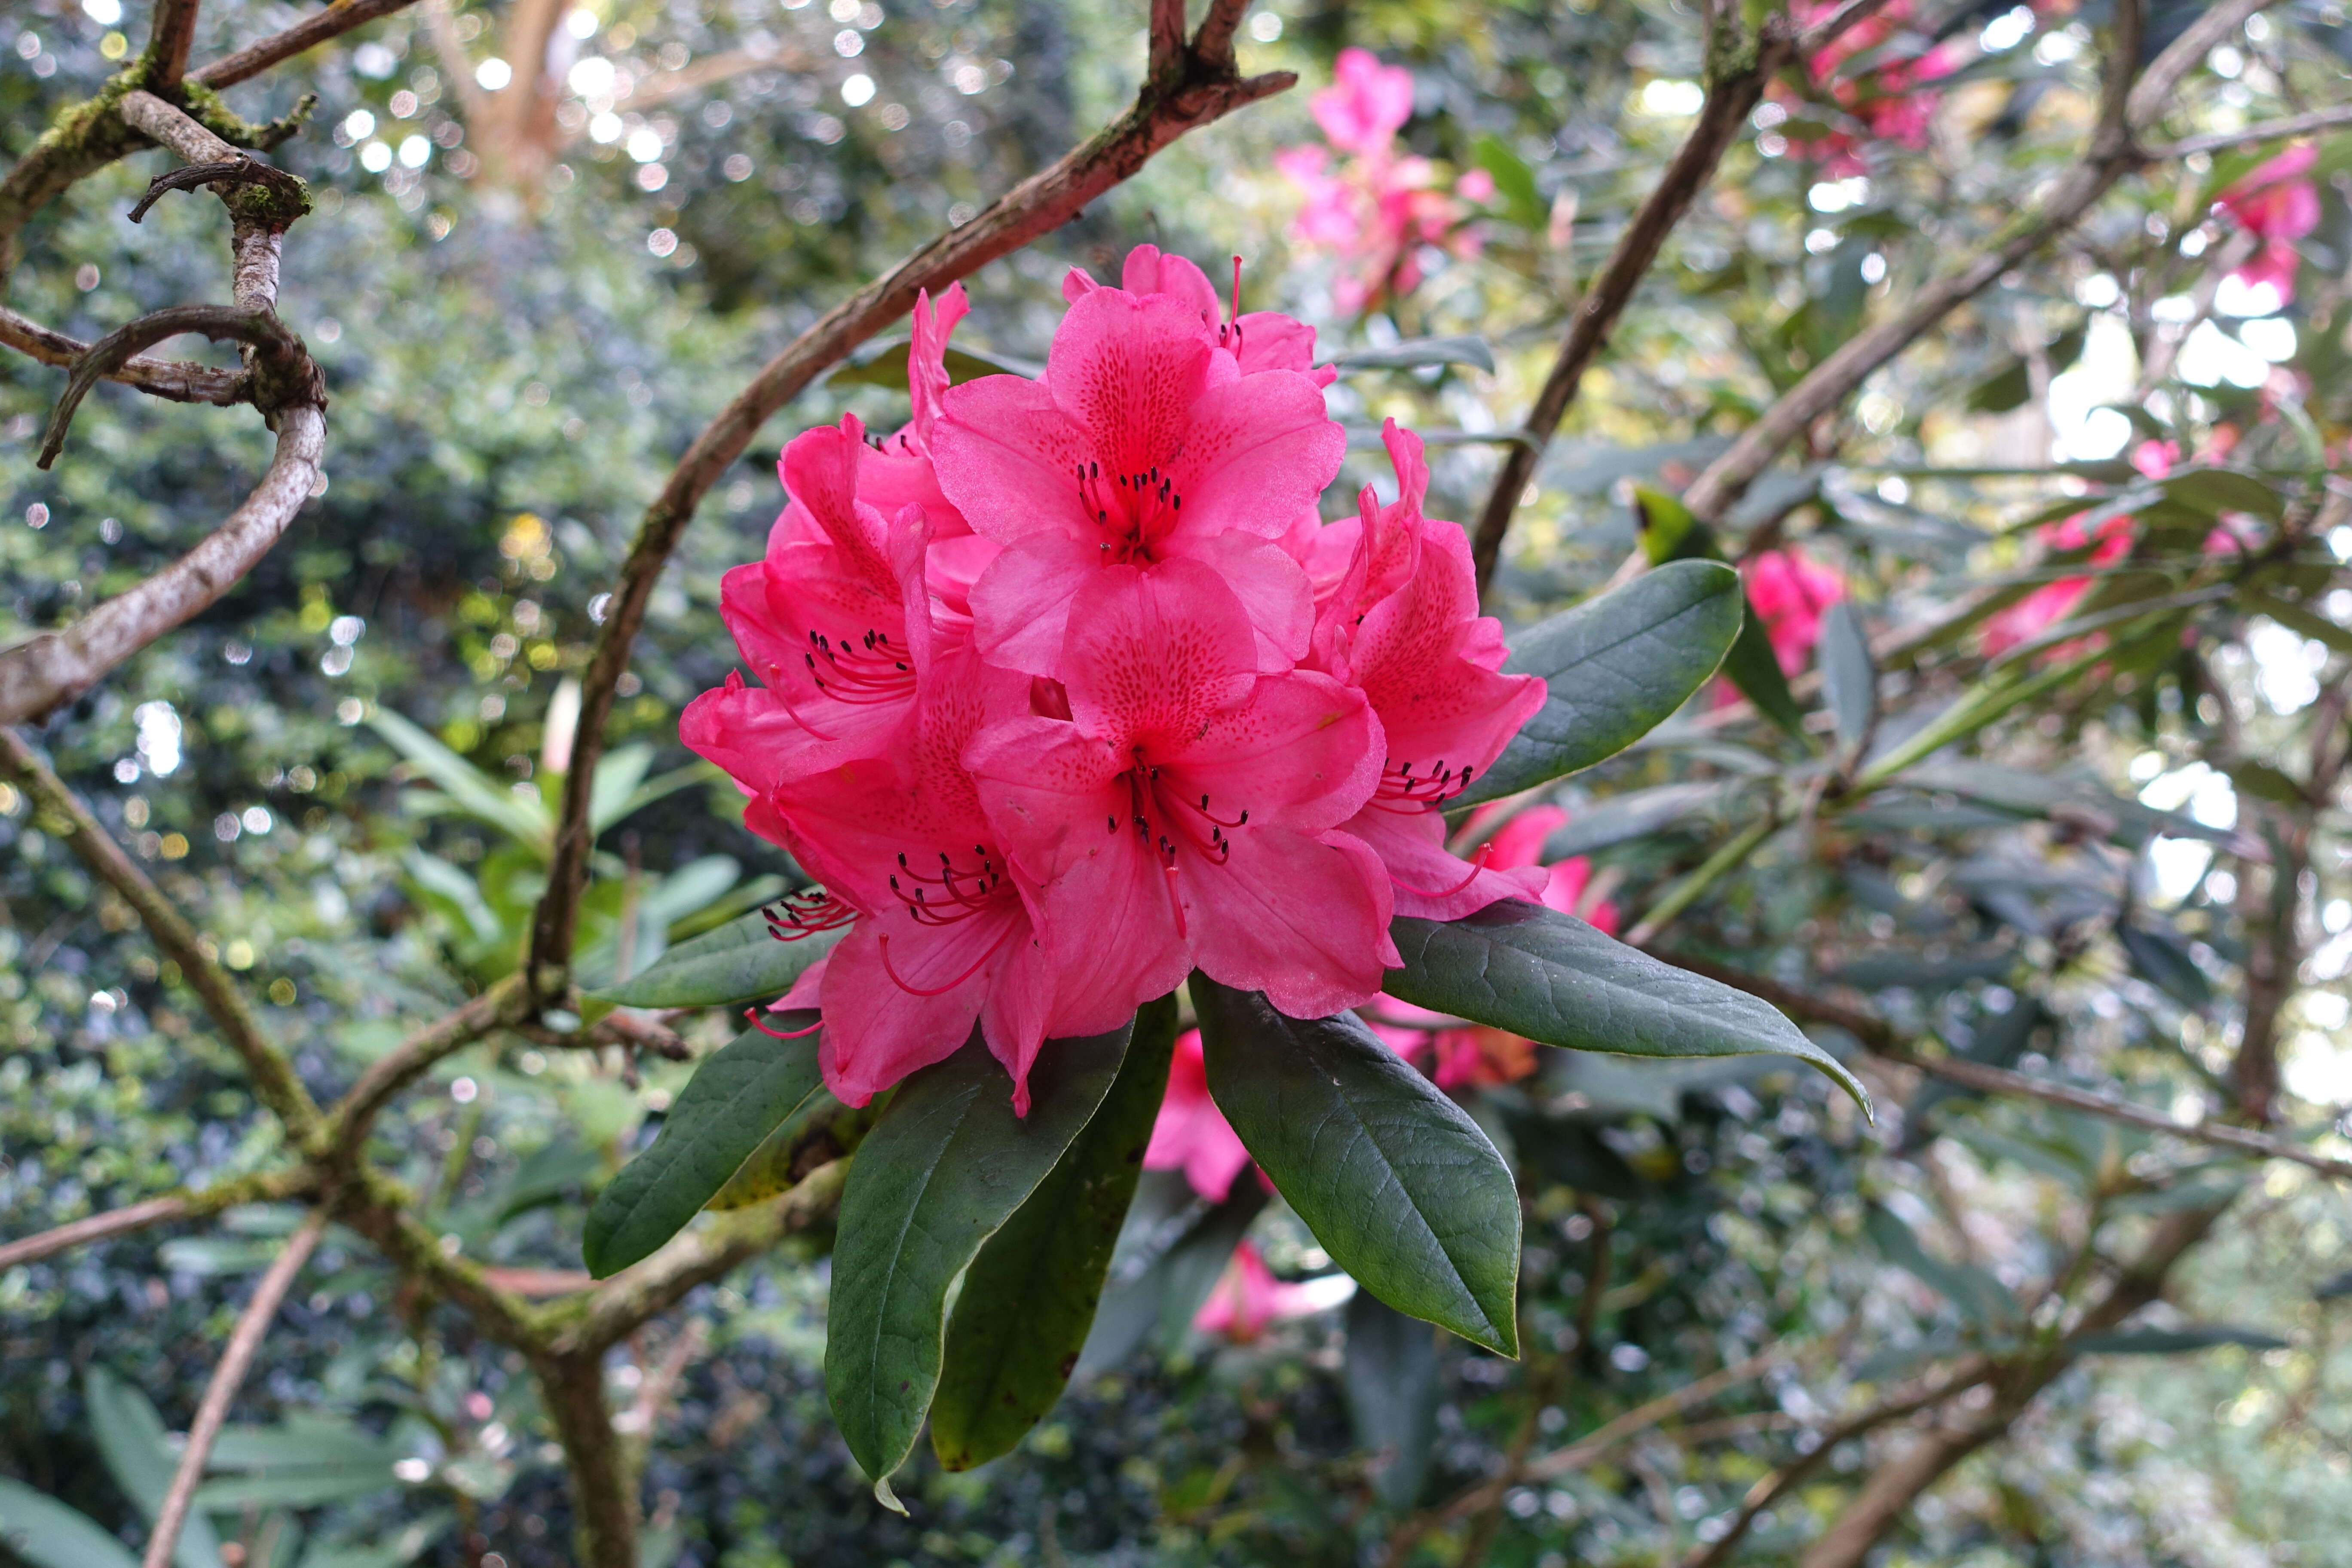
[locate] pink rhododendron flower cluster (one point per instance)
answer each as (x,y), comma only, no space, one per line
(1248,1297)
(2277,202)
(1191,1134)
(1367,204)
(1890,99)
(1791,593)
(1065,689)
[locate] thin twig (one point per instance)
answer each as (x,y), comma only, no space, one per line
(179,381)
(355,1113)
(274,1080)
(2270,131)
(1206,89)
(168,1209)
(309,33)
(218,323)
(219,1394)
(1730,98)
(1829,384)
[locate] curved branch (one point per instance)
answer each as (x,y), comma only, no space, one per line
(337,19)
(213,1414)
(217,322)
(179,381)
(168,1209)
(1207,89)
(355,1113)
(54,668)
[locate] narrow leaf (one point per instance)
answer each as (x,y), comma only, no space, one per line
(945,1167)
(1029,1299)
(733,1101)
(1618,666)
(1754,669)
(1976,1292)
(1636,814)
(1390,1379)
(1555,980)
(2172,1342)
(1849,678)
(740,962)
(1401,1188)
(475,793)
(1513,182)
(46,1533)
(132,1441)
(1415,352)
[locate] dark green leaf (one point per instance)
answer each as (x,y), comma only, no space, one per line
(2008,387)
(946,1166)
(741,962)
(2172,1342)
(1617,665)
(46,1533)
(1513,182)
(1413,354)
(132,1441)
(1754,669)
(1392,1387)
(2161,958)
(2216,490)
(1972,1289)
(1669,532)
(1555,980)
(1395,1179)
(1849,678)
(1636,814)
(1177,1259)
(1028,1301)
(733,1101)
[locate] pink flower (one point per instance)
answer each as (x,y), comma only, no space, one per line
(1520,841)
(1889,97)
(822,621)
(897,472)
(1790,594)
(1248,1297)
(1403,625)
(1192,1134)
(2276,201)
(2054,601)
(1367,103)
(2154,460)
(1179,806)
(1145,443)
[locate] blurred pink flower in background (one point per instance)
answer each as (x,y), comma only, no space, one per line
(2277,202)
(1371,206)
(1192,1134)
(1248,1297)
(1791,594)
(1890,99)
(2054,601)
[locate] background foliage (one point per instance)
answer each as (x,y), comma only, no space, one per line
(2090,894)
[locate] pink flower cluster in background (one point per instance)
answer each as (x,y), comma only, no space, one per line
(1066,690)
(2277,202)
(1790,593)
(1890,99)
(1367,204)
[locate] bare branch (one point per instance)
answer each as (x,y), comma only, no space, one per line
(273,1076)
(171,127)
(1165,111)
(176,380)
(355,1113)
(1731,97)
(697,1257)
(54,668)
(218,323)
(2109,158)
(219,1394)
(604,1483)
(167,46)
(166,1210)
(1212,41)
(1167,46)
(337,19)
(2270,131)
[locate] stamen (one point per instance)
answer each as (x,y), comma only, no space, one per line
(1476,866)
(807,914)
(918,991)
(752,1014)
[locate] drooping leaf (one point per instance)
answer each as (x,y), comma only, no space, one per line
(734,1100)
(133,1440)
(1395,1179)
(2173,1341)
(1555,980)
(945,1167)
(1849,678)
(475,793)
(1754,669)
(1029,1299)
(740,962)
(2216,490)
(46,1533)
(1617,666)
(1391,1378)
(884,364)
(1413,353)
(2162,959)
